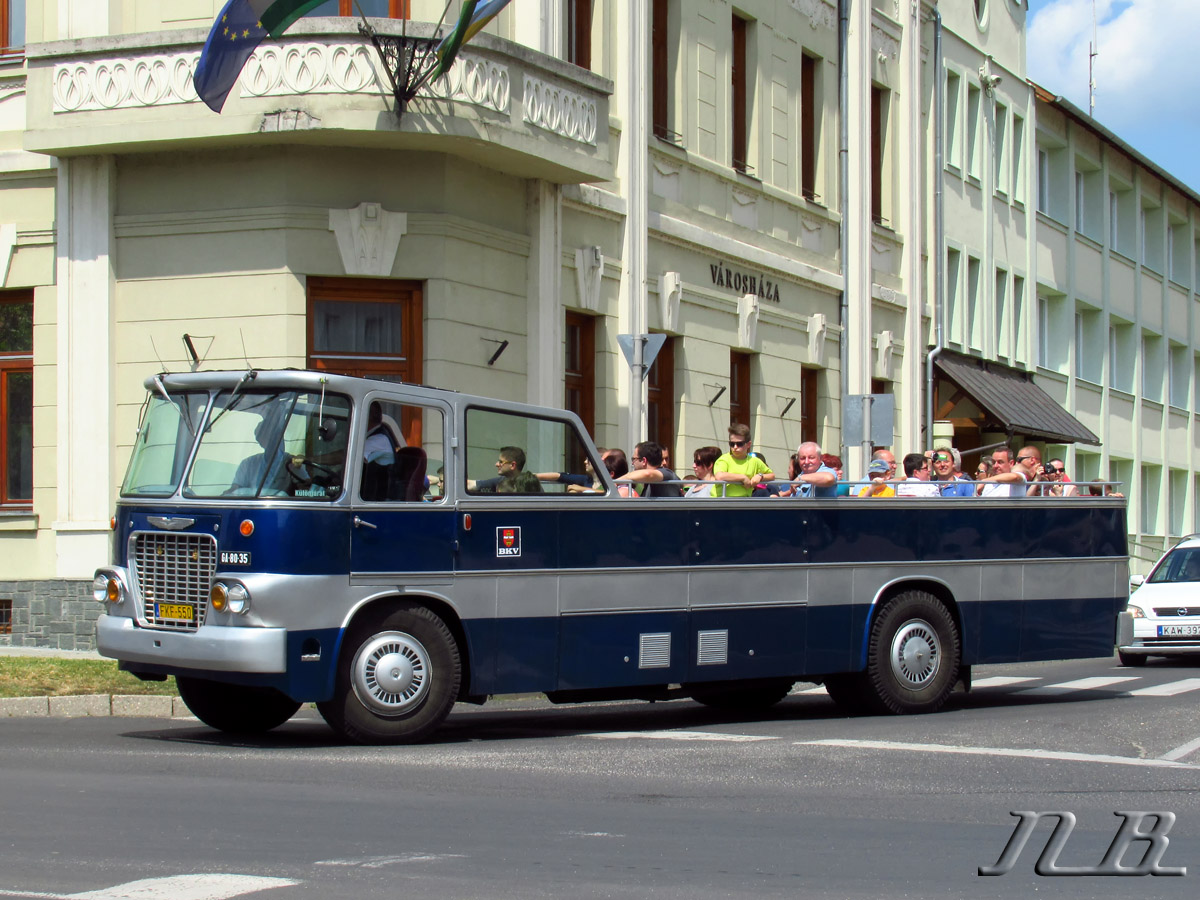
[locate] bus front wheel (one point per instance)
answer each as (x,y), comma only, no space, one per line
(235,708)
(398,677)
(913,655)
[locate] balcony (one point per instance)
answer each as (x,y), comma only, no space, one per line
(502,105)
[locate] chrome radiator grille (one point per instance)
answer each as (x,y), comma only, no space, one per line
(174,570)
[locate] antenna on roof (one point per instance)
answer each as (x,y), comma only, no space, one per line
(1093,52)
(242,335)
(162,366)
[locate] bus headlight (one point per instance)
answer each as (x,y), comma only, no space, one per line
(106,588)
(233,597)
(239,599)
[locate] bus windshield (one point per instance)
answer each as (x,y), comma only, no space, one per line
(164,443)
(282,444)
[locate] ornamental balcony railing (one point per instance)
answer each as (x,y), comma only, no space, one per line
(502,104)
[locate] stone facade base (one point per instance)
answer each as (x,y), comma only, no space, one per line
(58,613)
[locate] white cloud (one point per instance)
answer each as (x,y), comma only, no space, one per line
(1147,77)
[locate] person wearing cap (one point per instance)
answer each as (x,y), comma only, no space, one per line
(878,472)
(949,484)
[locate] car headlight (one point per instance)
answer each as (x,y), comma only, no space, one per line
(1136,611)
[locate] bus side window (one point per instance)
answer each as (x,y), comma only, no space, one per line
(513,453)
(396,453)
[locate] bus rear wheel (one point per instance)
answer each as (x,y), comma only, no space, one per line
(913,655)
(236,708)
(398,677)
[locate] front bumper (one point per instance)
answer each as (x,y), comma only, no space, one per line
(1132,644)
(215,648)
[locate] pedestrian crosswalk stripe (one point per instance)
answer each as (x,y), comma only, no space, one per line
(678,736)
(1170,689)
(1002,681)
(200,886)
(1080,684)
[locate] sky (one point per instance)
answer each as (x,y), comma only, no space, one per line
(1147,72)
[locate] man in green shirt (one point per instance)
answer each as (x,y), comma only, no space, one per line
(737,471)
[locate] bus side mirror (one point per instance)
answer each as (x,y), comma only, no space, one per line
(327,430)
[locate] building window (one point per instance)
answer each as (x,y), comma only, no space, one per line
(579,33)
(663,44)
(880,98)
(1089,199)
(740,83)
(1178,375)
(1043,181)
(377,9)
(1122,352)
(810,424)
(1122,224)
(954,314)
(1153,237)
(1151,497)
(6,616)
(1018,318)
(974,96)
(809,119)
(1153,376)
(579,370)
(1177,481)
(1003,325)
(660,396)
(12,27)
(1000,151)
(1177,258)
(1089,334)
(368,327)
(953,127)
(1018,157)
(739,388)
(16,398)
(974,316)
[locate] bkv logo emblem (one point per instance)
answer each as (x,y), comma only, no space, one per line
(1130,830)
(508,541)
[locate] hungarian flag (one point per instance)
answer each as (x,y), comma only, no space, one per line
(239,29)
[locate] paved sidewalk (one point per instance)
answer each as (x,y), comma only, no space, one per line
(133,705)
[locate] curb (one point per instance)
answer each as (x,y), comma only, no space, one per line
(89,705)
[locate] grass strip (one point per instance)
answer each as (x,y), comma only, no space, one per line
(35,676)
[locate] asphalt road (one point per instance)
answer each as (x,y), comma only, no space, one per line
(523,800)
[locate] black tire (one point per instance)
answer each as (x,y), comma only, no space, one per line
(1132,660)
(850,691)
(913,655)
(404,704)
(761,695)
(236,708)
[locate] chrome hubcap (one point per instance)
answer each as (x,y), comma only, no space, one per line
(391,673)
(916,654)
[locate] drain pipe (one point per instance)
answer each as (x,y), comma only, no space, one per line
(939,224)
(844,207)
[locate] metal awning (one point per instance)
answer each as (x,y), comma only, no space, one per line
(1012,401)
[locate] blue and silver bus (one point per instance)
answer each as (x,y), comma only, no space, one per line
(284,537)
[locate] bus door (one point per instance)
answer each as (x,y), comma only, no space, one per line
(402,529)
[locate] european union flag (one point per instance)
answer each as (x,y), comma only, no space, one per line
(232,40)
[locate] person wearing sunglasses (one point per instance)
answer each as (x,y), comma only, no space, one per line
(739,470)
(949,484)
(1013,476)
(1059,485)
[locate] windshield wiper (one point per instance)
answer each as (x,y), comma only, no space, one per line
(249,375)
(187,419)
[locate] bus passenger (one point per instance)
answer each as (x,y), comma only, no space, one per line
(815,479)
(916,482)
(949,484)
(618,466)
(649,471)
(1011,477)
(703,461)
(877,471)
(510,463)
(739,469)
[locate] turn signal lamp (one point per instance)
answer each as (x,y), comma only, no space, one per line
(246,528)
(107,589)
(218,597)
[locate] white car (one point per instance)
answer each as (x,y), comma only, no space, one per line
(1163,615)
